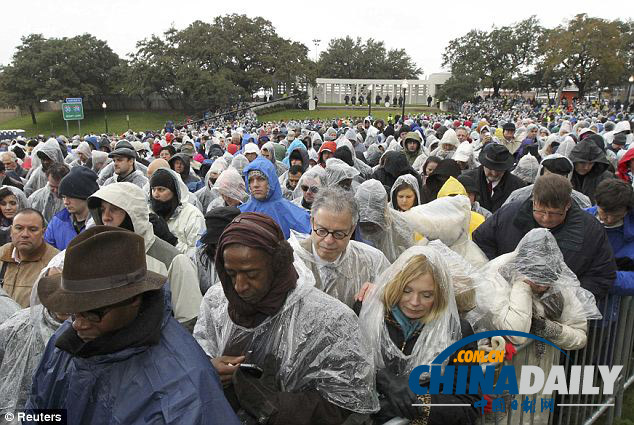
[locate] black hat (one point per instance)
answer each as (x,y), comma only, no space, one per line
(508,126)
(496,157)
(469,183)
(80,183)
(123,148)
(620,139)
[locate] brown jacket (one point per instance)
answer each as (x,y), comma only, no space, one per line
(19,278)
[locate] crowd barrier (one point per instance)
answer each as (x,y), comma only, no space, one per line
(610,342)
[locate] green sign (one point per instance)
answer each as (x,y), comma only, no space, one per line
(73,111)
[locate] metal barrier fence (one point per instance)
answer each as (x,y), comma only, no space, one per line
(610,342)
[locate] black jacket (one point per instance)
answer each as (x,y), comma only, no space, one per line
(504,188)
(588,151)
(435,181)
(581,238)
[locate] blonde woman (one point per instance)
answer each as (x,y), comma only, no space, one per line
(408,319)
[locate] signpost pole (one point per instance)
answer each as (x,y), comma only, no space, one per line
(79,125)
(67,132)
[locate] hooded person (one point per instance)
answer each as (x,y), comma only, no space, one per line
(265,196)
(531,289)
(591,167)
(308,186)
(326,151)
(444,170)
(124,205)
(277,323)
(386,229)
(550,145)
(268,151)
(494,177)
(340,174)
(206,194)
(464,156)
(124,166)
(624,170)
(239,162)
(358,159)
(230,190)
(527,168)
(447,145)
(556,164)
(108,170)
(162,163)
(394,165)
(340,266)
(403,332)
(12,201)
(301,154)
(453,187)
(44,155)
(169,201)
(296,156)
(216,220)
(581,238)
(138,363)
(84,156)
(99,160)
(405,193)
(74,188)
(373,155)
(180,163)
(23,339)
(251,151)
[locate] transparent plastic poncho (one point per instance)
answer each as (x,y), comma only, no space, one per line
(537,259)
(231,184)
(527,168)
(392,232)
(337,171)
(23,339)
(434,336)
(239,162)
(7,306)
(364,169)
(313,177)
(315,339)
(447,219)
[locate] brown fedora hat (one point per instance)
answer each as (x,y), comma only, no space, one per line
(103,265)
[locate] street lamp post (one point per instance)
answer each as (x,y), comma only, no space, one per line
(370,100)
(404,87)
(316,43)
(105,116)
(629,89)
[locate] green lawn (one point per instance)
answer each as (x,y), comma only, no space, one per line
(325,114)
(52,122)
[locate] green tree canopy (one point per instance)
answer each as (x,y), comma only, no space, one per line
(494,58)
(56,68)
(354,58)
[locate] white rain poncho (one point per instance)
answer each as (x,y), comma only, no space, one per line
(37,177)
(447,219)
(337,171)
(566,146)
(313,177)
(205,194)
(7,306)
(390,231)
(449,138)
(315,351)
(503,293)
(464,153)
(23,339)
(527,168)
(108,171)
(343,278)
(231,184)
(239,162)
(434,337)
(364,169)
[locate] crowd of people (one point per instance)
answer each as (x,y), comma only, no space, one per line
(239,271)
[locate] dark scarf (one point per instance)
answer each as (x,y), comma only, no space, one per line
(145,330)
(257,231)
(164,209)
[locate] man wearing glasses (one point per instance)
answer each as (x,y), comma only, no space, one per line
(342,268)
(121,356)
(581,238)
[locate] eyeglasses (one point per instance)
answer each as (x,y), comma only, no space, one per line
(548,213)
(98,314)
(337,234)
(313,189)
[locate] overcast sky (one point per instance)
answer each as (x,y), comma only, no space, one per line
(423,28)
